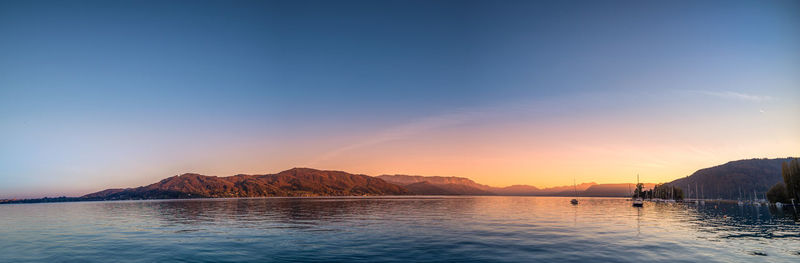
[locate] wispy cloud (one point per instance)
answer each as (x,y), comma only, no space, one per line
(531,110)
(735,95)
(405,130)
(521,108)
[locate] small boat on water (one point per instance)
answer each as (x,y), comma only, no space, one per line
(702,196)
(638,202)
(670,197)
(740,197)
(755,199)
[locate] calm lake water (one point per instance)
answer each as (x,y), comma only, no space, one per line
(395,229)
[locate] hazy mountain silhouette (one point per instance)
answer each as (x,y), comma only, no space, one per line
(438,185)
(533,191)
(613,190)
(426,188)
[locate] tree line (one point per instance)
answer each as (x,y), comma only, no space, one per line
(661,191)
(790,188)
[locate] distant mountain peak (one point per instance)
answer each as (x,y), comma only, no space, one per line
(305,169)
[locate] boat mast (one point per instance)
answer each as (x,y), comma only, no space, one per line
(629,189)
(575,186)
(639,194)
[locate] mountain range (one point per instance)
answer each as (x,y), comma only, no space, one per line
(439,185)
(293,182)
(722,181)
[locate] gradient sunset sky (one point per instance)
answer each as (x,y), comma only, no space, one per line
(101,94)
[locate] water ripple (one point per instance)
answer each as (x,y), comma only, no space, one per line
(395,229)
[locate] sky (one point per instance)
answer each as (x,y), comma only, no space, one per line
(102,94)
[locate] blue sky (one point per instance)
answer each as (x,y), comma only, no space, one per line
(97,94)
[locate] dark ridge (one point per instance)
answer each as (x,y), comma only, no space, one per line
(725,181)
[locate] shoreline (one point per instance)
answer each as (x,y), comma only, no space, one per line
(80,199)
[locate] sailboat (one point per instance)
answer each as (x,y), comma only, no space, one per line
(755,199)
(740,197)
(638,202)
(702,196)
(574,186)
(671,194)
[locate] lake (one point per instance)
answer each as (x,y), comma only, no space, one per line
(395,229)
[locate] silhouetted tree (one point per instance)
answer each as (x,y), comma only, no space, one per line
(778,194)
(638,191)
(664,191)
(791,178)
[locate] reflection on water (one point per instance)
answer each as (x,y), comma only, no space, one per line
(399,229)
